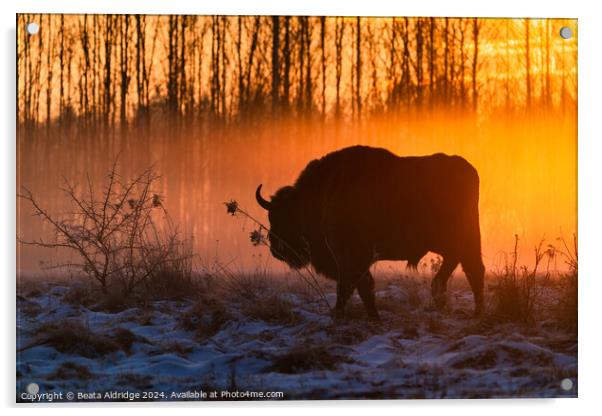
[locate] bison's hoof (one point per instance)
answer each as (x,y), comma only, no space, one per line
(374,316)
(337,314)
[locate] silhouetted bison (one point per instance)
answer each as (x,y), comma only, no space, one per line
(360,204)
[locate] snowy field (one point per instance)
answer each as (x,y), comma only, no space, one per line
(252,336)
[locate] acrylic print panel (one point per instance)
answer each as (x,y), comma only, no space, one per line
(277,208)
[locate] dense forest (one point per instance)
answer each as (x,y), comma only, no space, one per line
(222,103)
(126,69)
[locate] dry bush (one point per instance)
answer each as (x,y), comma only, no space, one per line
(122,235)
(565,309)
(513,299)
(515,292)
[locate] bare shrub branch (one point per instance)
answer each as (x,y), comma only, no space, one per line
(122,235)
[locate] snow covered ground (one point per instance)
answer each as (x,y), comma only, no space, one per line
(263,337)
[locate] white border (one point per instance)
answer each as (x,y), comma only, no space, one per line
(590,206)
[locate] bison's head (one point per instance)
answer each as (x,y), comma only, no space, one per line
(286,232)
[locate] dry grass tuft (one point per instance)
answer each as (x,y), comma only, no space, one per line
(300,359)
(272,309)
(113,302)
(515,292)
(206,317)
(514,299)
(565,308)
(125,339)
(81,294)
(27,307)
(73,337)
(246,287)
(71,371)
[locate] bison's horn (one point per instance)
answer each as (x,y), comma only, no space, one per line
(262,202)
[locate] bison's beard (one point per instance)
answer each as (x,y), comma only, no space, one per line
(296,256)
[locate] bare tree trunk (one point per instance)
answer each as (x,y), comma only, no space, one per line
(49,58)
(251,56)
(240,70)
(419,64)
(62,66)
(308,79)
(432,63)
(182,87)
(301,42)
(141,74)
(275,64)
(405,64)
(107,79)
(528,63)
(339,35)
(462,65)
(172,58)
(548,81)
(452,89)
(507,80)
(446,62)
(224,66)
(475,58)
(214,64)
(323,48)
(358,67)
(124,25)
(96,70)
(38,75)
(287,63)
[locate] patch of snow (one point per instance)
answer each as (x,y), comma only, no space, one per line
(311,357)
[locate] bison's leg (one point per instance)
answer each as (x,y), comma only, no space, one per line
(365,288)
(344,292)
(439,283)
(475,272)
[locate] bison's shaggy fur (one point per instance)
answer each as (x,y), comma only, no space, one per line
(359,205)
